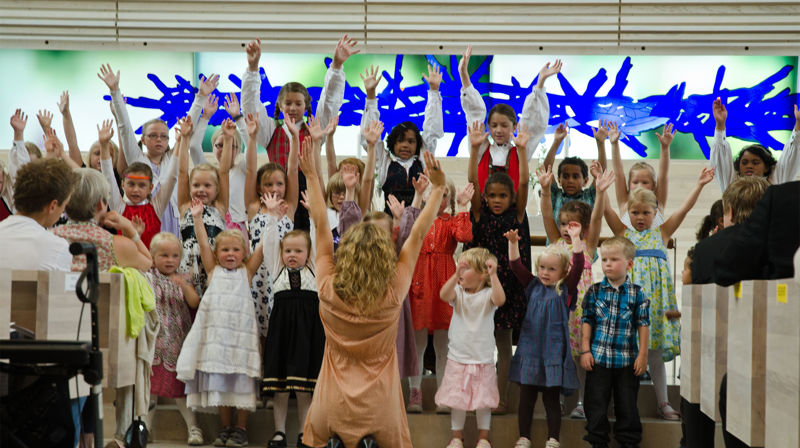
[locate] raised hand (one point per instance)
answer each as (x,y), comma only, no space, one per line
(253,50)
(45,119)
(601,133)
(574,230)
(272,203)
(228,128)
(52,144)
(211,106)
(252,124)
(197,208)
(434,77)
(371,78)
(18,122)
(231,105)
(796,116)
(63,102)
(613,132)
(561,132)
(304,200)
(491,267)
(315,128)
(523,135)
(433,170)
(138,225)
(420,183)
(395,206)
(307,162)
(116,221)
(291,125)
(706,176)
(666,136)
(545,176)
(604,181)
(208,85)
(512,236)
(373,132)
(477,136)
(345,48)
(464,196)
(186,126)
(350,176)
(548,71)
(105,132)
(463,66)
(595,169)
(109,77)
(720,113)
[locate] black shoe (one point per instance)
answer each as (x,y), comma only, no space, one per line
(300,441)
(335,442)
(367,442)
(277,443)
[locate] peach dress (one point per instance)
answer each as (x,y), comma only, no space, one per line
(358,390)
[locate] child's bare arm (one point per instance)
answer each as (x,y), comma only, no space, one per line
(604,181)
(254,262)
(448,291)
(620,184)
(498,294)
(600,135)
(477,137)
(558,137)
(189,293)
(545,176)
(206,253)
(617,227)
(521,140)
(373,134)
(69,129)
(662,183)
(673,222)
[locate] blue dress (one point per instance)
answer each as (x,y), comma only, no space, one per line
(543,356)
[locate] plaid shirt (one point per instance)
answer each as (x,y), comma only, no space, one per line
(615,315)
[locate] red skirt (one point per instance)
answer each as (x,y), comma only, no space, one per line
(164,383)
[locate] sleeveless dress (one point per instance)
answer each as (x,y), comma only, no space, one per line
(89,232)
(583,284)
(190,260)
(220,360)
(296,338)
(175,324)
(261,286)
(651,272)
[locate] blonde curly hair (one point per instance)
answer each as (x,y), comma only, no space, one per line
(365,264)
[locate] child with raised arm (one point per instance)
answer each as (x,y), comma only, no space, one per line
(474,292)
(293,102)
(495,212)
(138,204)
(17,157)
(615,311)
(174,295)
(590,220)
(641,174)
(752,160)
(399,161)
(543,361)
(155,137)
(220,361)
(501,154)
(210,186)
(651,271)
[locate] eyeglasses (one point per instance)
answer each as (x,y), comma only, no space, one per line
(157,136)
(219,145)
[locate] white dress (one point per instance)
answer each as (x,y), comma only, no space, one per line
(220,360)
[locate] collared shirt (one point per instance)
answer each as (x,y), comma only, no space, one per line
(28,245)
(615,314)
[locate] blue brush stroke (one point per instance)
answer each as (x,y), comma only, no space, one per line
(751,116)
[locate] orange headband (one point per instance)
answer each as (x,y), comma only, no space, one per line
(133,176)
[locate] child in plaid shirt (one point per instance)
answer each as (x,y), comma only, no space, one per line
(614,311)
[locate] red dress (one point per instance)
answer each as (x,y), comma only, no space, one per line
(486,168)
(434,266)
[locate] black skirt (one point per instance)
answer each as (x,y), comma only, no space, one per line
(295,343)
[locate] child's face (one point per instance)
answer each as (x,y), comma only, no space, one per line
(293,105)
(406,146)
(167,257)
(203,186)
(751,165)
(156,138)
(641,179)
(273,182)
(615,264)
(686,274)
(229,252)
(470,279)
(501,128)
(445,201)
(571,179)
(498,198)
(295,252)
(642,216)
(550,270)
(135,189)
(218,144)
(337,199)
(94,158)
(563,224)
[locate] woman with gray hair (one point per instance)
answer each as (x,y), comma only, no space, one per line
(87,211)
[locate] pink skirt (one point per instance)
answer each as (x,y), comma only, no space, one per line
(164,383)
(468,387)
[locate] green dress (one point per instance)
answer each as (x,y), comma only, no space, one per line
(651,272)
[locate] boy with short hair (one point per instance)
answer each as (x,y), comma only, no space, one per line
(614,311)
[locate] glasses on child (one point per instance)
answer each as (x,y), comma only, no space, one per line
(219,145)
(157,136)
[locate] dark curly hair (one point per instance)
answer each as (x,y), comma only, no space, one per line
(577,161)
(762,153)
(399,131)
(710,221)
(502,179)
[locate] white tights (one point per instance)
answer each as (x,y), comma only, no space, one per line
(439,346)
(186,413)
(658,372)
(280,408)
(459,416)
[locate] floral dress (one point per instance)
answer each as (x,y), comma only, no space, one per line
(261,286)
(175,324)
(651,272)
(190,260)
(89,232)
(583,284)
(488,233)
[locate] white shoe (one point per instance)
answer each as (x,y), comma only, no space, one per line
(578,413)
(552,443)
(195,436)
(483,443)
(455,443)
(523,442)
